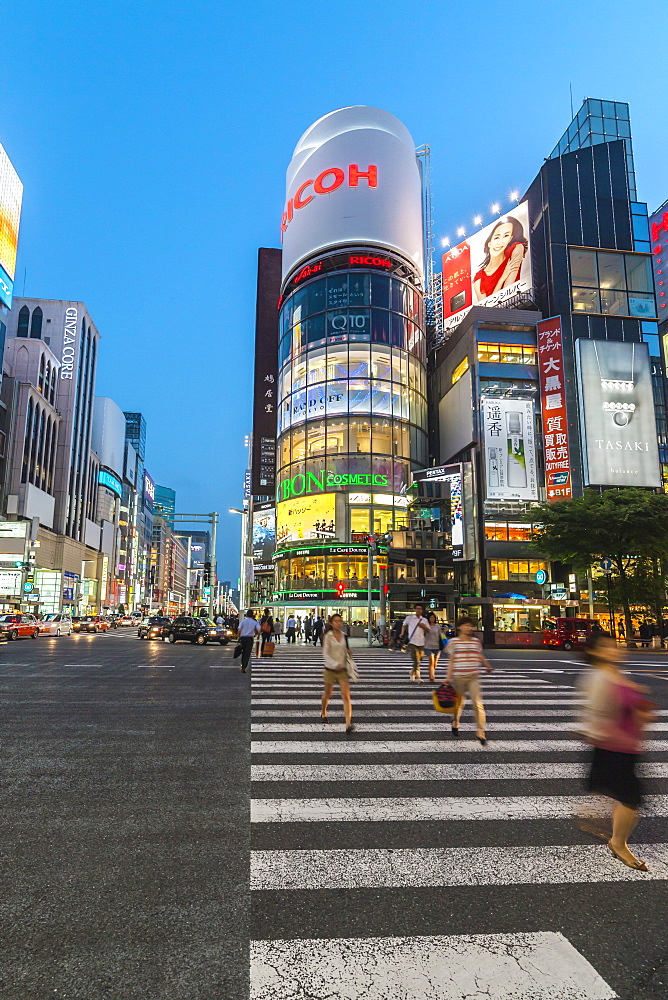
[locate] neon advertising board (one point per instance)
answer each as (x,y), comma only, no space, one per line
(510,450)
(556,448)
(11,196)
(111,482)
(306,517)
(658,232)
(324,481)
(489,268)
(353,180)
(264,536)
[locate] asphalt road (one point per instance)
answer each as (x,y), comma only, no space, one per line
(124,809)
(379,860)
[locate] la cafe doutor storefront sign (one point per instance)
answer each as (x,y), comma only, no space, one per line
(325,482)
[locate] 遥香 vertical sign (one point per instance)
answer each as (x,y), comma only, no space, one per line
(556,449)
(510,450)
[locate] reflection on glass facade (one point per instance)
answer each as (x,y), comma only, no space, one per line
(614,284)
(597,122)
(352,387)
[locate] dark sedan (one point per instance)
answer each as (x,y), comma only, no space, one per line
(156,627)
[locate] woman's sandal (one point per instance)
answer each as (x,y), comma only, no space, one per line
(639,866)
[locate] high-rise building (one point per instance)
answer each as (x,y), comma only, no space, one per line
(548,375)
(164,504)
(352,415)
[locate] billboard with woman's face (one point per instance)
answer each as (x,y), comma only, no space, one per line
(489,268)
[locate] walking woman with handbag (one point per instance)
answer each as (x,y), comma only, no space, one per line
(465,661)
(614,718)
(339,668)
(433,643)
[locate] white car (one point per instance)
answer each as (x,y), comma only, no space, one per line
(56,625)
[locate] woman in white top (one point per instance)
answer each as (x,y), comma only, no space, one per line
(336,655)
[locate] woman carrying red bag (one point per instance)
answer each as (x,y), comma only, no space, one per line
(465,661)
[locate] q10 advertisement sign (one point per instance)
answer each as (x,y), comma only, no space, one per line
(11,196)
(489,268)
(353,180)
(618,427)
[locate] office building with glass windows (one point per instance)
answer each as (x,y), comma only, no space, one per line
(540,397)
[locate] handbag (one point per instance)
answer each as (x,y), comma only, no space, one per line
(445,698)
(238,649)
(351,666)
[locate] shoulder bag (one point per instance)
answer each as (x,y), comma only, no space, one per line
(351,666)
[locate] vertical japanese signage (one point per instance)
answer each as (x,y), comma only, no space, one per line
(510,449)
(556,449)
(263,463)
(658,231)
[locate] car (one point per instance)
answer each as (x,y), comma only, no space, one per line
(196,630)
(89,623)
(112,621)
(59,624)
(225,633)
(155,627)
(127,621)
(23,626)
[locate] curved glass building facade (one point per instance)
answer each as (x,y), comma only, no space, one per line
(351,402)
(352,410)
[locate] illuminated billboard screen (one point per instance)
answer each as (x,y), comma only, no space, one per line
(617,424)
(510,449)
(306,517)
(264,536)
(11,195)
(489,268)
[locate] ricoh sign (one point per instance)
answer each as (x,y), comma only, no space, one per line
(69,343)
(353,180)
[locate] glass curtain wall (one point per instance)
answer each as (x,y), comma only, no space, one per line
(352,387)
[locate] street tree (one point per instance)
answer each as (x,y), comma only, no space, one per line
(623,525)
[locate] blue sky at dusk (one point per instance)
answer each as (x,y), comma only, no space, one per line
(152,139)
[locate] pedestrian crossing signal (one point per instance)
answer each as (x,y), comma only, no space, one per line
(340,589)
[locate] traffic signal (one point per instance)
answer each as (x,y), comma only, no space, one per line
(206,580)
(340,589)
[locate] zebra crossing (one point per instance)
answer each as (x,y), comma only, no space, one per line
(398,863)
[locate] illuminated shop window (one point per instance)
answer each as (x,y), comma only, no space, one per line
(519,354)
(460,370)
(612,283)
(504,531)
(515,569)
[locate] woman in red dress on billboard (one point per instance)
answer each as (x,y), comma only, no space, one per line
(505,248)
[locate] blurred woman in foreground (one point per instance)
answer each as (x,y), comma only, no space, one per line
(614,718)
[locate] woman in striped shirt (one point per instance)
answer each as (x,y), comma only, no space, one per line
(465,661)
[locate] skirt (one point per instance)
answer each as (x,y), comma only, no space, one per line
(334,676)
(614,774)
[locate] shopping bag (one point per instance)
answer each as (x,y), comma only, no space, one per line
(351,669)
(268,649)
(445,698)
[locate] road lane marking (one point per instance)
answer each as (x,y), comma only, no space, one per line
(422,868)
(434,772)
(538,966)
(444,808)
(347,746)
(429,727)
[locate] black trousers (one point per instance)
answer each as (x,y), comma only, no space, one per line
(290,635)
(246,650)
